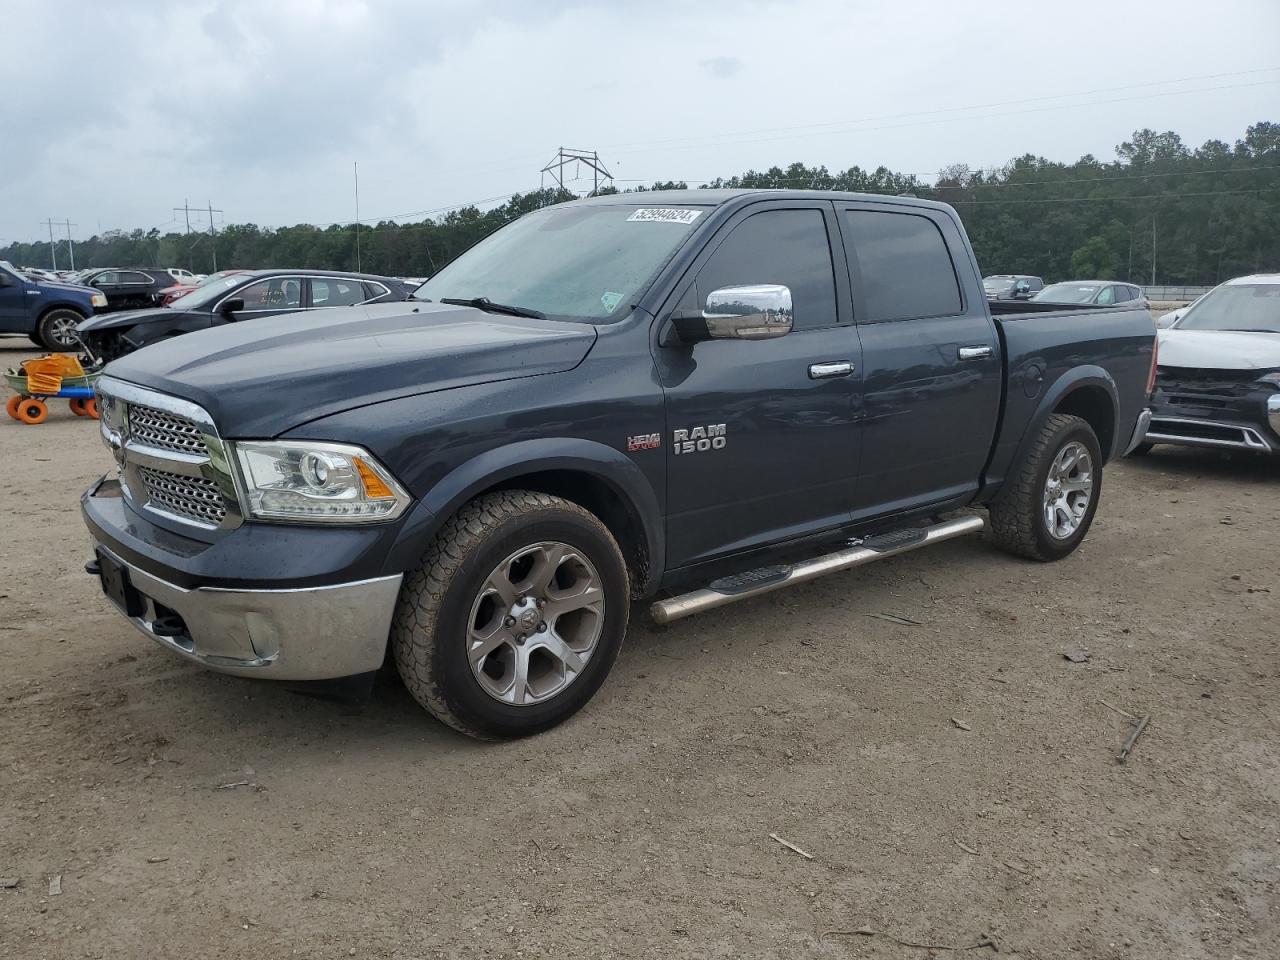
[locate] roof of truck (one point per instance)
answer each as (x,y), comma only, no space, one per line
(1256,278)
(715,198)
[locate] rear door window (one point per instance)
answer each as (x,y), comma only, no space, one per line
(336,292)
(1123,294)
(904,265)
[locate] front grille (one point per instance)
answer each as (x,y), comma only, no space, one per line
(193,498)
(168,431)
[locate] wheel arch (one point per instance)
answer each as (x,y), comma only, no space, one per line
(596,477)
(1088,392)
(48,308)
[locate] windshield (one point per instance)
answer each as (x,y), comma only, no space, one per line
(569,262)
(1244,306)
(1068,293)
(205,294)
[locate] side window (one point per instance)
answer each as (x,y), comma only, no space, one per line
(1107,296)
(135,278)
(778,246)
(904,264)
(106,279)
(274,293)
(374,290)
(332,292)
(1123,294)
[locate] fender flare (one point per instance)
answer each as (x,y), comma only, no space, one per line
(1071,380)
(492,467)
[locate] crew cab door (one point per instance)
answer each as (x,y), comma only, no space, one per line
(931,359)
(760,441)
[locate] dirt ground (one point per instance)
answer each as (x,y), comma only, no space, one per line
(953,779)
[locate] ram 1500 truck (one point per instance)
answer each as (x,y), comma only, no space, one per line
(625,397)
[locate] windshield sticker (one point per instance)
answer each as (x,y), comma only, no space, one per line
(610,300)
(665,215)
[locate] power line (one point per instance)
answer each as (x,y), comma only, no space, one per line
(712,141)
(976,106)
(1148,196)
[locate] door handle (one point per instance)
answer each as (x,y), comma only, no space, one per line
(975,353)
(832,368)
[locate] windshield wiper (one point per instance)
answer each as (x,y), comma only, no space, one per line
(488,306)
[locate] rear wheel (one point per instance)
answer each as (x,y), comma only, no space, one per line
(1047,506)
(514,617)
(57,330)
(12,405)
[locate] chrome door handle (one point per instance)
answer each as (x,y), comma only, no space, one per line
(974,353)
(832,368)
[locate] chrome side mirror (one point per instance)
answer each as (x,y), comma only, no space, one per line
(759,311)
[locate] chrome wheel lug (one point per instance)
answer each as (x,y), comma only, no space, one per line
(542,627)
(511,621)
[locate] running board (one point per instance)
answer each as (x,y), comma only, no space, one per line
(766,579)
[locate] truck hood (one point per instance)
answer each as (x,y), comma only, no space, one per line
(123,318)
(259,378)
(1219,349)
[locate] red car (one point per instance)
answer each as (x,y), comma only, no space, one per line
(170,294)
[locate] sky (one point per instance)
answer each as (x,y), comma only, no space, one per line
(118,112)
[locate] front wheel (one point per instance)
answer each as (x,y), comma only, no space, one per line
(57,330)
(1047,505)
(514,617)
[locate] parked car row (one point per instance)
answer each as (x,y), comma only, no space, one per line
(1008,286)
(235,296)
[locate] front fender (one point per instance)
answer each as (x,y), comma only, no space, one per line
(504,463)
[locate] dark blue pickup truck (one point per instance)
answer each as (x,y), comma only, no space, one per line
(46,311)
(692,397)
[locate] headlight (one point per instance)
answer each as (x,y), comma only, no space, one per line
(300,480)
(98,299)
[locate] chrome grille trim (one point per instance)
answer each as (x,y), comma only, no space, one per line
(157,428)
(191,498)
(171,460)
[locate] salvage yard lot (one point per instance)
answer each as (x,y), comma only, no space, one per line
(953,776)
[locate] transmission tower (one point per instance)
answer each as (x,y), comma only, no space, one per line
(565,156)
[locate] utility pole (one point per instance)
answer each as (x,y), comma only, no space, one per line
(185,210)
(1153,249)
(70,246)
(213,238)
(355,174)
(565,156)
(53,251)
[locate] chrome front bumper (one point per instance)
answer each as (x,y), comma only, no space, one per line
(314,633)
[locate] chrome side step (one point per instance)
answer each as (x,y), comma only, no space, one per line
(767,579)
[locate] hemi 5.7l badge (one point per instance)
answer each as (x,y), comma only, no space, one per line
(645,441)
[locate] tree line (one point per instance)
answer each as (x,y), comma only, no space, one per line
(1159,212)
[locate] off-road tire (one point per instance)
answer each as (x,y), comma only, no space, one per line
(1017,524)
(44,334)
(428,633)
